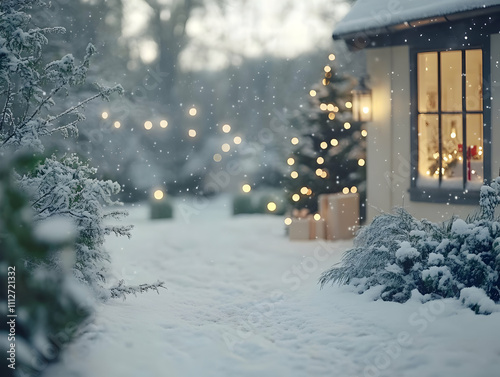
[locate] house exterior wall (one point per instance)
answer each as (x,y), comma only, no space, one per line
(388,144)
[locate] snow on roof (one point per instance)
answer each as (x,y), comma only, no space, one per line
(374,14)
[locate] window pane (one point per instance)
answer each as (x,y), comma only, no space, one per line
(451,81)
(452,150)
(475,148)
(427,82)
(474,83)
(428,149)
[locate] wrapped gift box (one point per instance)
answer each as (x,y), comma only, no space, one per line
(341,213)
(299,229)
(306,228)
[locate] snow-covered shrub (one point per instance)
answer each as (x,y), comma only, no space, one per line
(67,187)
(401,253)
(49,303)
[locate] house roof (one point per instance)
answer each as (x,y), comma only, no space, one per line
(370,16)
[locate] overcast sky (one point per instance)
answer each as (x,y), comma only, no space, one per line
(284,28)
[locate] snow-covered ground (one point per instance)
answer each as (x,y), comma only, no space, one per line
(242,300)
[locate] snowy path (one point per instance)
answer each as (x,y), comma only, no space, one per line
(244,301)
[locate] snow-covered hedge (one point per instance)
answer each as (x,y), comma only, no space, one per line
(457,258)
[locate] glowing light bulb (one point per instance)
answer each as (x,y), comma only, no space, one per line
(192,133)
(361,162)
(345,190)
(193,111)
(331,57)
(158,195)
(246,187)
(225,147)
(295,197)
(304,190)
(163,123)
(217,157)
(290,161)
(295,140)
(354,189)
(271,206)
(294,175)
(348,105)
(347,125)
(364,133)
(287,221)
(104,115)
(323,145)
(148,125)
(317,216)
(237,140)
(320,160)
(312,93)
(334,142)
(117,124)
(226,128)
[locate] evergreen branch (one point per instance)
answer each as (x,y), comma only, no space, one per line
(122,290)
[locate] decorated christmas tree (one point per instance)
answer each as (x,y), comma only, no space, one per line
(327,151)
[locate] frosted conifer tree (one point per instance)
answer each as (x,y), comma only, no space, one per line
(60,185)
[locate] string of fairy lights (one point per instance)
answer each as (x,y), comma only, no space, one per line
(321,172)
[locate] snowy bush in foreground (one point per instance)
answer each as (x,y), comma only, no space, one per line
(457,258)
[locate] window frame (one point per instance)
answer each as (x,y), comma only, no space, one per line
(443,194)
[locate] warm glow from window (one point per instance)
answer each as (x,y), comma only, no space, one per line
(158,194)
(192,133)
(226,128)
(246,188)
(117,124)
(163,123)
(148,125)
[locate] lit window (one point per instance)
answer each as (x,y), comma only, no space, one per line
(450,119)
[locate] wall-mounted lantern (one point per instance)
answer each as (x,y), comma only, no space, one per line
(362,102)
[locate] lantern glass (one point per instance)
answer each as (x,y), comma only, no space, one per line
(362,103)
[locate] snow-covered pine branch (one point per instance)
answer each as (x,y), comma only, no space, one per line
(122,290)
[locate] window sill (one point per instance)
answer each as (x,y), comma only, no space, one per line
(442,195)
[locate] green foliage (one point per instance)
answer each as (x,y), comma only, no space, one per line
(326,131)
(403,255)
(50,304)
(161,209)
(257,202)
(243,203)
